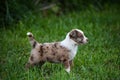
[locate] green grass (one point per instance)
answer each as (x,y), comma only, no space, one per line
(97,60)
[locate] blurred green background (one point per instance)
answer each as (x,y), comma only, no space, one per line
(11,11)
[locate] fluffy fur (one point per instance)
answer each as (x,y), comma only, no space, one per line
(56,52)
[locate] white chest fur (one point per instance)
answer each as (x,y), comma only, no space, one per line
(71,45)
(73,53)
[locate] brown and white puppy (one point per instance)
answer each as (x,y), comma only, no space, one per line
(57,52)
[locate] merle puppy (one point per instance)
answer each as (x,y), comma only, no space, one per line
(56,52)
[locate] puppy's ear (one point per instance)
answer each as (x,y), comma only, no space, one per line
(73,34)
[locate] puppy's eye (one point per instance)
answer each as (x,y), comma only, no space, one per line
(80,35)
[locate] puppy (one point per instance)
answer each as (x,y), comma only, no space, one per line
(56,52)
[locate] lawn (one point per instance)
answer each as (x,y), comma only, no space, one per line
(97,60)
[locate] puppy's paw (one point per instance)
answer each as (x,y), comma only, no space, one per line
(68,70)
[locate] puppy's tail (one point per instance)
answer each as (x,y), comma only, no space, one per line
(33,42)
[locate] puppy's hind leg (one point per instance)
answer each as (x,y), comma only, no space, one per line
(40,64)
(29,64)
(33,60)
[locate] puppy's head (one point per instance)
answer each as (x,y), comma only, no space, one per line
(78,36)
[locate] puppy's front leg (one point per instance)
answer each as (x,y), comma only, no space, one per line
(67,66)
(71,63)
